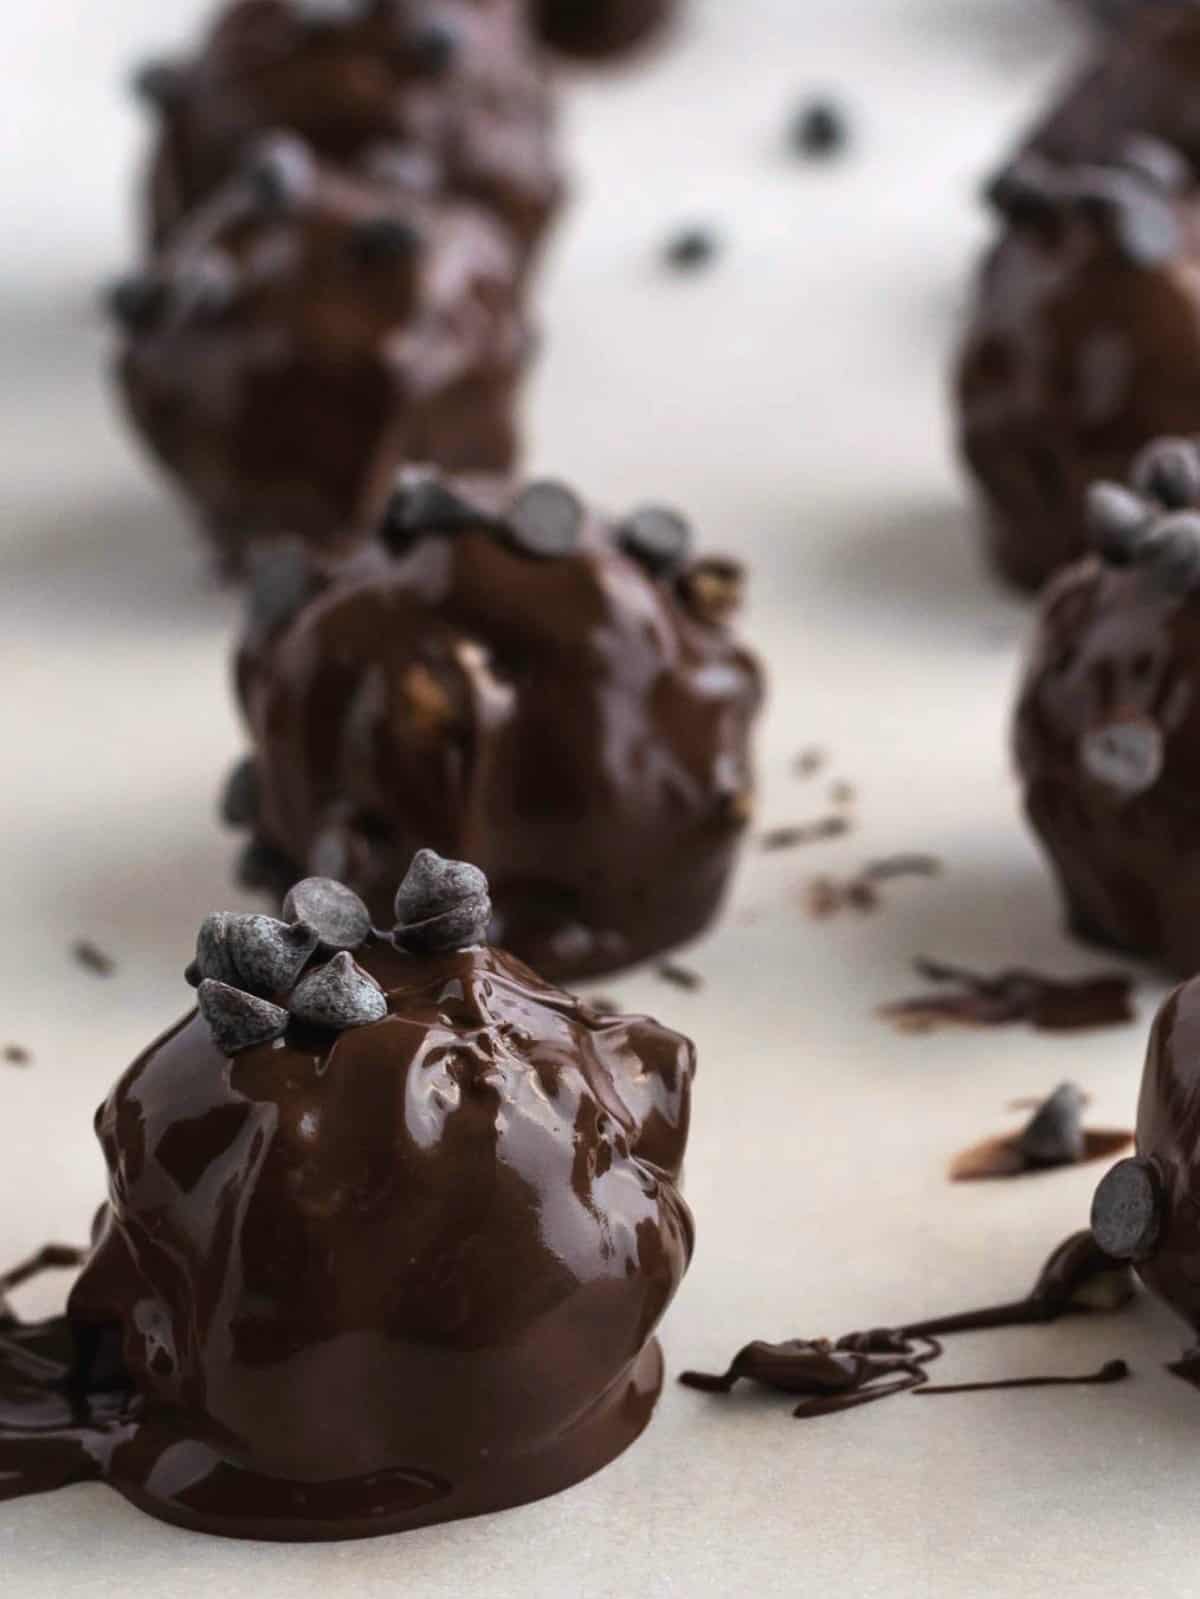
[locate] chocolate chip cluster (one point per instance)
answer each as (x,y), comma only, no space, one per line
(1154,524)
(256,975)
(1131,201)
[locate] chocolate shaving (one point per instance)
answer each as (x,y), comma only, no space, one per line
(681,976)
(827,895)
(1048,1004)
(17,1055)
(893,866)
(92,958)
(809,762)
(843,794)
(1053,1136)
(1002,1157)
(805,833)
(51,1257)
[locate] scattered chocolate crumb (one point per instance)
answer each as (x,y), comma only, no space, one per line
(805,833)
(681,976)
(825,898)
(92,958)
(819,129)
(843,794)
(809,762)
(1048,1004)
(1053,1136)
(17,1055)
(860,894)
(690,248)
(892,866)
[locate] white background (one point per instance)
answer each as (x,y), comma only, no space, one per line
(792,398)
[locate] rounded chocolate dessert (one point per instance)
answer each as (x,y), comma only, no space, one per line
(1145,1208)
(1142,80)
(308,331)
(1108,717)
(600,29)
(448,96)
(553,696)
(1082,346)
(391,1222)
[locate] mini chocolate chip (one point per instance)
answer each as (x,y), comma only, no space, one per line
(423,501)
(1172,552)
(237,1020)
(280,172)
(1054,1135)
(1024,192)
(158,83)
(441,905)
(1168,470)
(659,538)
(690,248)
(240,796)
(1128,1210)
(206,287)
(712,589)
(137,302)
(545,520)
(268,955)
(434,48)
(339,995)
(1157,163)
(282,579)
(383,241)
(1127,757)
(262,866)
(819,128)
(340,918)
(1118,520)
(214,960)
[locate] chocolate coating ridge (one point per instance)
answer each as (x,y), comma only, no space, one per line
(448,97)
(357,1282)
(1083,345)
(601,29)
(311,330)
(576,725)
(1107,740)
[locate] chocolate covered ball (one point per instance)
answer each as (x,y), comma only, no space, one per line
(309,330)
(1142,80)
(1108,718)
(1083,344)
(525,684)
(390,1226)
(600,29)
(1145,1210)
(447,96)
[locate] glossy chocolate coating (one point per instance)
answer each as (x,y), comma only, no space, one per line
(1108,749)
(365,1281)
(1143,79)
(1075,357)
(576,726)
(1168,1143)
(450,96)
(600,29)
(334,350)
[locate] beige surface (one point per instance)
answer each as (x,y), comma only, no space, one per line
(792,398)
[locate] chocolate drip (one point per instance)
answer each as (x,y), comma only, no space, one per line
(1111,1371)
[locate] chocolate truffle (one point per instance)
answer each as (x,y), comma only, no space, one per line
(1108,718)
(1145,1209)
(527,685)
(449,96)
(306,332)
(391,1222)
(1082,346)
(600,29)
(1142,80)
